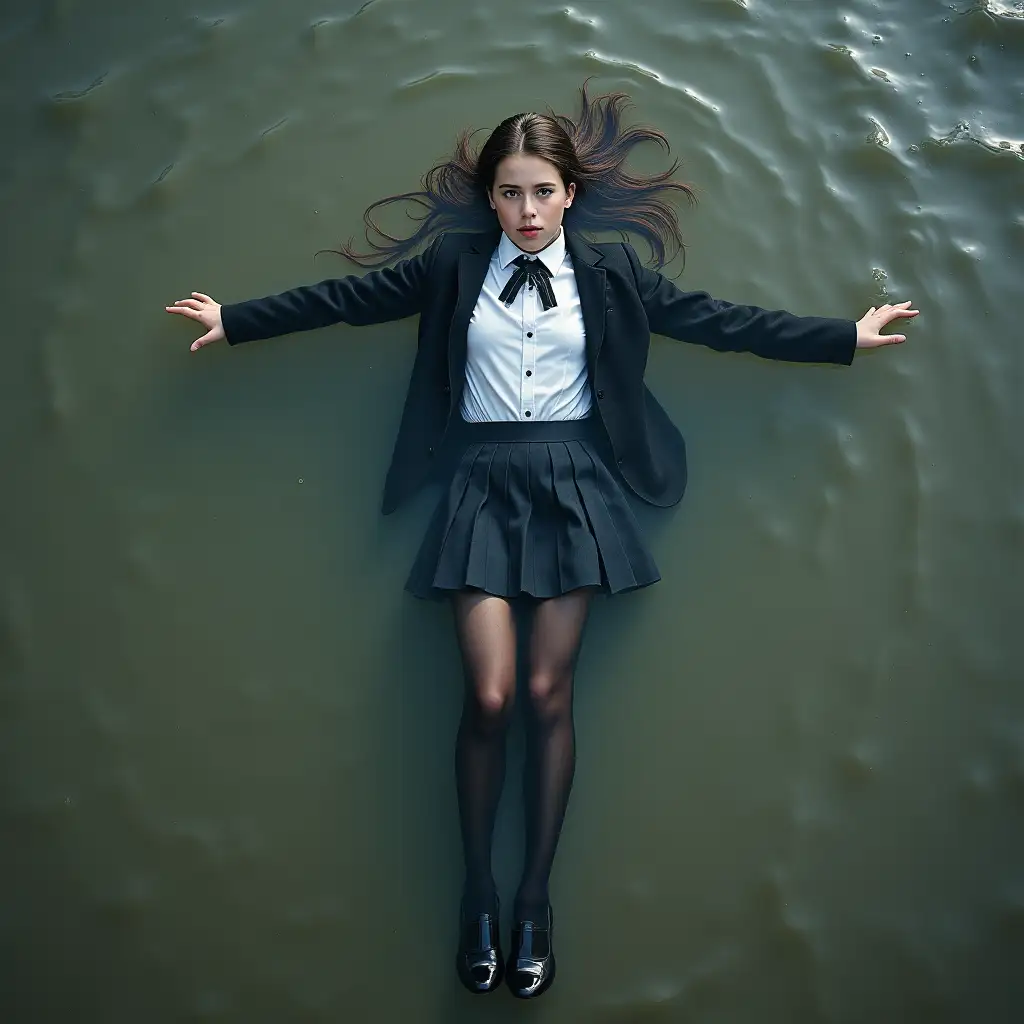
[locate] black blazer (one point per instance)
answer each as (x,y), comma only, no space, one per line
(622,301)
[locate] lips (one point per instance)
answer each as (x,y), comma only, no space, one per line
(529,232)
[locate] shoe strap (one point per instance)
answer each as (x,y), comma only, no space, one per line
(529,932)
(485,933)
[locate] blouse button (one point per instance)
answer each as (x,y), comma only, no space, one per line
(600,394)
(529,334)
(529,373)
(527,414)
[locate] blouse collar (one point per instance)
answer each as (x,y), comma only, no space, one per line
(551,256)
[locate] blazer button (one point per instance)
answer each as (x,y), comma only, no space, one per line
(430,450)
(600,394)
(447,390)
(611,309)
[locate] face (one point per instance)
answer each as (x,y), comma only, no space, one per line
(530,200)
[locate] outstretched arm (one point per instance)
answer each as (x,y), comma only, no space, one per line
(381,295)
(771,334)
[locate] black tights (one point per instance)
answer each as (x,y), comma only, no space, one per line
(487,639)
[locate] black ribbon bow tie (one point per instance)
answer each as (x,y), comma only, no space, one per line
(536,273)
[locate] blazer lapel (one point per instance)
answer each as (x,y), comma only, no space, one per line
(473,264)
(590,283)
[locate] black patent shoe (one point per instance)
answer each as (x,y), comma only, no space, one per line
(479,961)
(531,964)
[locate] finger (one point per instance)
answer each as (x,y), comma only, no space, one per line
(191,303)
(895,314)
(881,340)
(183,311)
(200,342)
(200,295)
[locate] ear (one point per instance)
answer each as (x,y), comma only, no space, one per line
(490,199)
(570,192)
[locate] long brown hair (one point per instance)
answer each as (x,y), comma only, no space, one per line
(590,150)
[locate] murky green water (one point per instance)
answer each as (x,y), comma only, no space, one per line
(226,732)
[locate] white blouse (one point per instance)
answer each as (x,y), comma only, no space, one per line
(524,362)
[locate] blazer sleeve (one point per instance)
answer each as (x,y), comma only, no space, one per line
(772,334)
(381,295)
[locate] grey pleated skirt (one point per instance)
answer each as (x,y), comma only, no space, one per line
(530,509)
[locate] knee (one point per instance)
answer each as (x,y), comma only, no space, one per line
(551,694)
(492,703)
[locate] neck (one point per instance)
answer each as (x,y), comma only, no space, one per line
(534,252)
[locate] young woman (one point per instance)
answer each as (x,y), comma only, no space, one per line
(527,400)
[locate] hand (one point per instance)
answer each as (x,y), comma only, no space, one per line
(202,308)
(872,322)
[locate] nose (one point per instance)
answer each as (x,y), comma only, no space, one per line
(529,210)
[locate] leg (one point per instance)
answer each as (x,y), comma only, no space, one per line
(486,632)
(551,742)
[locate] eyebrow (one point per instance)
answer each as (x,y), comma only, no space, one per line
(541,184)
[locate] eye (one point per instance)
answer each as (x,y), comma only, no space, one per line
(545,191)
(509,193)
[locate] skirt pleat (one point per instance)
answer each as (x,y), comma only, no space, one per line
(531,509)
(612,522)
